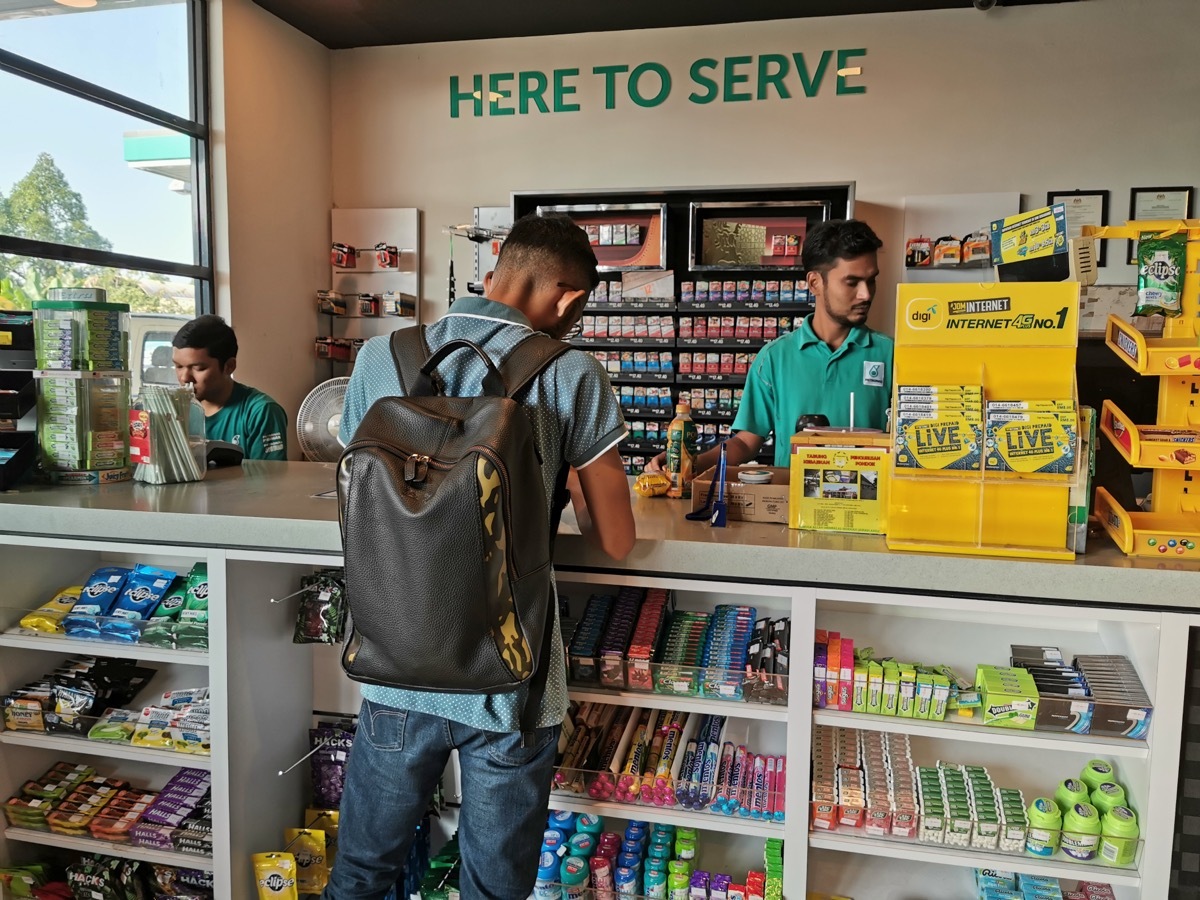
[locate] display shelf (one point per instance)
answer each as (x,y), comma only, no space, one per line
(81,374)
(643,446)
(682,818)
(1152,356)
(105,750)
(602,343)
(1153,534)
(21,639)
(108,848)
(730,343)
(750,306)
(763,712)
(631,306)
(1181,454)
(642,377)
(937,854)
(714,416)
(635,412)
(700,378)
(978,733)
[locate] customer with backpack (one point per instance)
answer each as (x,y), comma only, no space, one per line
(459,651)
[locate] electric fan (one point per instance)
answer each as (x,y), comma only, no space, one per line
(318,421)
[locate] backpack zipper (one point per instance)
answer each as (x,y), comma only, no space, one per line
(416,467)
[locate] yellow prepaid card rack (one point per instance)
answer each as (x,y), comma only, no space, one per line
(1017,342)
(1171,445)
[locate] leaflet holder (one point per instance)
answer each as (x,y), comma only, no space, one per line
(1017,341)
(1170,446)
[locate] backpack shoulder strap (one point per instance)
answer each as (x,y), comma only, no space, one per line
(529,359)
(410,352)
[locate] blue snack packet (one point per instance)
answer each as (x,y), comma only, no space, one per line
(144,589)
(101,591)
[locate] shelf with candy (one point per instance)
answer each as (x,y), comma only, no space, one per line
(638,641)
(646,860)
(1096,701)
(109,877)
(75,801)
(140,605)
(868,786)
(78,708)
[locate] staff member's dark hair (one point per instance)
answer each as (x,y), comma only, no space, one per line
(542,246)
(209,333)
(828,242)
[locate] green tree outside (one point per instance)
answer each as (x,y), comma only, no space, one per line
(42,206)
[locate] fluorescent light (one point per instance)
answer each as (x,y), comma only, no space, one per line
(77,4)
(843,73)
(478,95)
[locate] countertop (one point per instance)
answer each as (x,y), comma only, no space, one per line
(270,506)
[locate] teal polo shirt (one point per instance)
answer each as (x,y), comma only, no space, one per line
(798,374)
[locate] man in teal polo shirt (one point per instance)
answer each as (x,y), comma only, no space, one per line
(833,355)
(205,356)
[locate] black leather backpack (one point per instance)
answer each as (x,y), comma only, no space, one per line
(447,539)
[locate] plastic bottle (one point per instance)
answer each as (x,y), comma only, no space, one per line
(655,884)
(581,844)
(681,452)
(1069,793)
(589,824)
(1045,825)
(678,887)
(546,887)
(574,875)
(564,821)
(1096,772)
(1081,832)
(602,878)
(1119,836)
(1107,796)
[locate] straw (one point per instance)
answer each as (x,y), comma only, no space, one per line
(852,410)
(171,459)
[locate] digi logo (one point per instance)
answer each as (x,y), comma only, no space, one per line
(924,313)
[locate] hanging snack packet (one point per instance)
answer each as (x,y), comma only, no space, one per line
(332,748)
(321,618)
(172,602)
(327,820)
(195,604)
(1162,263)
(72,702)
(312,869)
(48,617)
(275,875)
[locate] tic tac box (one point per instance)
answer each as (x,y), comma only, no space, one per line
(840,481)
(747,502)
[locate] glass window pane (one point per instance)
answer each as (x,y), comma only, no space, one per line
(81,174)
(24,279)
(137,48)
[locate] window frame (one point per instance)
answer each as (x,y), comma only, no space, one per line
(195,127)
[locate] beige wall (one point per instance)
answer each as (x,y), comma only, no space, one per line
(1091,95)
(272,162)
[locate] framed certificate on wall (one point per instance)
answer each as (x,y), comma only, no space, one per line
(1150,204)
(1083,208)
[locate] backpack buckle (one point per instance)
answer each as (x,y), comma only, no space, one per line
(416,468)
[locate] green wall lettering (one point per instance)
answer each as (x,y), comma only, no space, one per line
(610,83)
(532,88)
(664,89)
(562,90)
(732,78)
(776,78)
(457,96)
(703,81)
(843,57)
(494,91)
(813,84)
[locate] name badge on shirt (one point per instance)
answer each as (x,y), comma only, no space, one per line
(873,373)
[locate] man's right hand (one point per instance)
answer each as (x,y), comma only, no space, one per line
(658,464)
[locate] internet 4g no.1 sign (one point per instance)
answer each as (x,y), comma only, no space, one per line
(732,79)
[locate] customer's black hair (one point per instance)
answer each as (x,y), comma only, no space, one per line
(543,246)
(827,242)
(210,333)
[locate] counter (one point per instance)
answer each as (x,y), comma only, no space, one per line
(271,506)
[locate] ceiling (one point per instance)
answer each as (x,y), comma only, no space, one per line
(364,23)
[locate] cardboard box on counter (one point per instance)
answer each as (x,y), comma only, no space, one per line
(748,502)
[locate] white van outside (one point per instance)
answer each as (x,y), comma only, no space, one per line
(150,336)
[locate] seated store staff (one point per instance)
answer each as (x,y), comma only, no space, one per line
(833,354)
(205,356)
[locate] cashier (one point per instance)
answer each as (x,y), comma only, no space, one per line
(205,356)
(815,369)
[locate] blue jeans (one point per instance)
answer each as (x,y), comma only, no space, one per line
(396,762)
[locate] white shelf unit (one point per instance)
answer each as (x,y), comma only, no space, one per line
(962,633)
(762,712)
(104,750)
(683,818)
(363,229)
(123,851)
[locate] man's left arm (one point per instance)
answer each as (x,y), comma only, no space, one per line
(269,439)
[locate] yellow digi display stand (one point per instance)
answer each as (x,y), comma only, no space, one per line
(1017,343)
(1171,446)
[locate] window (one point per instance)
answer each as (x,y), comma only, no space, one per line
(103,170)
